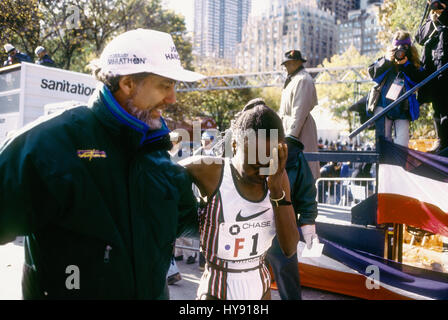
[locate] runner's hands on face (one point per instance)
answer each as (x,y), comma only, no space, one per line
(277,172)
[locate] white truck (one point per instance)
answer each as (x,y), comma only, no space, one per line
(28,91)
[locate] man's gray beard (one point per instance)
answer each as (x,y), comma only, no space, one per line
(144,116)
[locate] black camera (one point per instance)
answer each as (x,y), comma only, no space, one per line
(436,5)
(400,52)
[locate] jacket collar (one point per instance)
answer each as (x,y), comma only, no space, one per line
(118,121)
(296,71)
(290,76)
(293,140)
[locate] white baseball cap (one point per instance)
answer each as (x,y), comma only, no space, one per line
(38,50)
(174,136)
(207,136)
(144,50)
(9,47)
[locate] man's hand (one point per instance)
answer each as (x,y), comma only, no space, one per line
(309,233)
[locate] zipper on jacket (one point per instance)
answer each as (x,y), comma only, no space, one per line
(107,254)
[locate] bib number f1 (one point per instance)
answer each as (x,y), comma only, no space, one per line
(244,240)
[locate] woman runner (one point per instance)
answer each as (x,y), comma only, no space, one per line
(246,206)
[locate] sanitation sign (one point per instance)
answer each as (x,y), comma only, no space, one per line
(41,86)
(76,88)
(55,85)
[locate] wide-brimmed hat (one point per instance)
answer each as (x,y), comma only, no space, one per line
(293,55)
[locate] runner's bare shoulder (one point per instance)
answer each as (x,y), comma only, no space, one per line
(206,171)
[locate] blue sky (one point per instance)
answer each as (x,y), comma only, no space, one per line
(186,8)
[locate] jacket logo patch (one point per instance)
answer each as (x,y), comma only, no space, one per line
(90,154)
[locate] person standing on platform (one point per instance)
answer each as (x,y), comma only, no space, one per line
(397,72)
(43,58)
(15,56)
(298,100)
(433,35)
(303,198)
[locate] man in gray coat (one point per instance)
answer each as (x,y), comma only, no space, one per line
(298,99)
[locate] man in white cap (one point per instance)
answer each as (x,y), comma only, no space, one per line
(93,188)
(43,58)
(208,141)
(14,55)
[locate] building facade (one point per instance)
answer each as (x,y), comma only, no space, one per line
(340,8)
(289,24)
(218,26)
(360,30)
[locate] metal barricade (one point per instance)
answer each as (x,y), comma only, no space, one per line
(344,192)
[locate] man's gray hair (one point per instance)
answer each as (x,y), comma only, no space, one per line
(112,80)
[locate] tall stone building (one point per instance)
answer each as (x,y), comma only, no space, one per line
(340,8)
(360,30)
(218,26)
(288,24)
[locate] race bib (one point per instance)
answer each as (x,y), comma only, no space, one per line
(245,240)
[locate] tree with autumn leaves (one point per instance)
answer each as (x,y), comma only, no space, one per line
(399,14)
(337,98)
(221,105)
(19,25)
(75,31)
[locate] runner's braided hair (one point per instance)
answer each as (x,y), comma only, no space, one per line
(257,115)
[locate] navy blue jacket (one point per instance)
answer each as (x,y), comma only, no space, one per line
(18,58)
(411,75)
(46,61)
(301,180)
(85,191)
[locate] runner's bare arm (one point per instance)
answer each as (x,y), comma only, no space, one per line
(205,172)
(285,221)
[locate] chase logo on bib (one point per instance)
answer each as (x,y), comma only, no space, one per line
(234,230)
(244,240)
